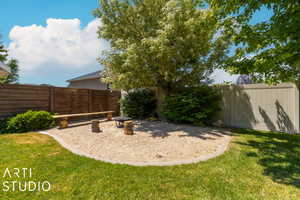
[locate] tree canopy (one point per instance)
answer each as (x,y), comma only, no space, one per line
(11,63)
(160,43)
(273,45)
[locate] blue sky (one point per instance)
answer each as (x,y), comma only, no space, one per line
(55,40)
(28,12)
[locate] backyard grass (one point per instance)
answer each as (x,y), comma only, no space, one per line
(258,165)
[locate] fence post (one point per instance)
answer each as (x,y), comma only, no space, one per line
(107,100)
(51,99)
(297,109)
(90,93)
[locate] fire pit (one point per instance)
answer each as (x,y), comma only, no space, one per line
(120,121)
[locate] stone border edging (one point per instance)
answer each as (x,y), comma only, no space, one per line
(221,149)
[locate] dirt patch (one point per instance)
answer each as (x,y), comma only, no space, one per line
(154,143)
(32,138)
(54,153)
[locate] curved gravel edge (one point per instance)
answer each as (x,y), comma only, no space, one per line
(221,149)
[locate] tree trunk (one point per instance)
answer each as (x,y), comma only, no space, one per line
(128,128)
(161,93)
(95,126)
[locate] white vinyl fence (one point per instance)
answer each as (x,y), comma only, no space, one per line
(261,107)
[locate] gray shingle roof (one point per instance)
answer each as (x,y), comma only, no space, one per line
(4,67)
(92,75)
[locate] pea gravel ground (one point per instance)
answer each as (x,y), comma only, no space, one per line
(153,143)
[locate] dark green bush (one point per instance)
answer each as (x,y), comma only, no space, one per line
(30,121)
(3,125)
(139,104)
(192,105)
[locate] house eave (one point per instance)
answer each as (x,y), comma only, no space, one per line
(90,76)
(83,79)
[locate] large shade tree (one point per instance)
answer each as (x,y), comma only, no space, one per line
(159,43)
(268,50)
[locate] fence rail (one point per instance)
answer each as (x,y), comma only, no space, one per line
(17,98)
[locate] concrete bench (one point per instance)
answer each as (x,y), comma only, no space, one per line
(64,119)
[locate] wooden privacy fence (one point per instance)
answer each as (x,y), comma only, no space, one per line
(20,98)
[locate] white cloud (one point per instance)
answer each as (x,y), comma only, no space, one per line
(62,43)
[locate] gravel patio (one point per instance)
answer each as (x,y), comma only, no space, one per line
(154,143)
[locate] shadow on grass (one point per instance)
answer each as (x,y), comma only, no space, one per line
(278,153)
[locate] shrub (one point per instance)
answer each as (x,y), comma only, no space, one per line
(139,103)
(192,105)
(30,121)
(3,125)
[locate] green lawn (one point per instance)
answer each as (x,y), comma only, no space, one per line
(258,165)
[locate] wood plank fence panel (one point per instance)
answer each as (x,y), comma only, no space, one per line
(62,101)
(17,98)
(113,102)
(99,101)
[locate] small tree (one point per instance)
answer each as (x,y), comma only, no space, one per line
(13,76)
(12,64)
(159,43)
(3,53)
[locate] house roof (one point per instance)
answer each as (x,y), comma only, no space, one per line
(4,67)
(92,75)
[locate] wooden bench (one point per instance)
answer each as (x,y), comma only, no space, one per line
(64,119)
